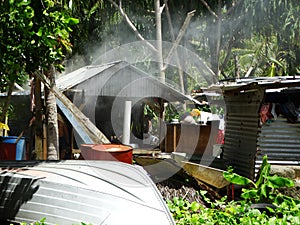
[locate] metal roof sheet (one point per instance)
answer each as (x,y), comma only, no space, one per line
(67,81)
(68,192)
(118,79)
(257,82)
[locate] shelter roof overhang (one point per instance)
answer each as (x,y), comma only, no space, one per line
(264,83)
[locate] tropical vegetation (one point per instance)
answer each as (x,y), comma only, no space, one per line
(260,203)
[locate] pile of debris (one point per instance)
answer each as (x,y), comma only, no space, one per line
(183,186)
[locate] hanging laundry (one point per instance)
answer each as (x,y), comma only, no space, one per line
(265,113)
(273,111)
(289,111)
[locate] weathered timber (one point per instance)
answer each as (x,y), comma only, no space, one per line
(95,135)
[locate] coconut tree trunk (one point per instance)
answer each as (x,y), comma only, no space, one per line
(51,119)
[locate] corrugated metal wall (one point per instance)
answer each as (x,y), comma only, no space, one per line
(242,121)
(280,141)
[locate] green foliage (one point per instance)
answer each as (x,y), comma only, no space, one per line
(34,35)
(219,212)
(282,209)
(41,222)
(171,112)
(233,37)
(265,190)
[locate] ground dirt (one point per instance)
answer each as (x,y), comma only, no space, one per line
(186,187)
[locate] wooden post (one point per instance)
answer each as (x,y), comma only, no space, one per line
(6,122)
(174,137)
(38,120)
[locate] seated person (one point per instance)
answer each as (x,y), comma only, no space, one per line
(188,117)
(148,138)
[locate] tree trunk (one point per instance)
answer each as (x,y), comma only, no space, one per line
(38,122)
(79,120)
(51,119)
(159,41)
(214,41)
(219,37)
(7,102)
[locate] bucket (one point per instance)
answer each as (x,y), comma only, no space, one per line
(109,152)
(10,150)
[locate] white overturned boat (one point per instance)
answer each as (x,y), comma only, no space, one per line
(76,191)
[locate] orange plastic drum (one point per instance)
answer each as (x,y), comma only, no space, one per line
(110,152)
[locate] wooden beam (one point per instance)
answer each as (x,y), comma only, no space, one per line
(95,135)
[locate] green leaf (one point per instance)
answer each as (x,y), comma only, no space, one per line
(281,181)
(236,179)
(263,190)
(40,32)
(249,194)
(194,206)
(72,21)
(24,2)
(264,171)
(29,12)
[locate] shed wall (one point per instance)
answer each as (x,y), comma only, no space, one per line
(242,121)
(280,141)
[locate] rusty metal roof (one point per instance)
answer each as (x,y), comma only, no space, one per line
(246,141)
(257,82)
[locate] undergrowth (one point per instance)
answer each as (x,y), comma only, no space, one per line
(260,203)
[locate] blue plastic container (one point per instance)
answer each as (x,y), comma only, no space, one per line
(10,150)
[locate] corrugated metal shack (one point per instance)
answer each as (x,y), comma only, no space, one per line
(261,119)
(101,91)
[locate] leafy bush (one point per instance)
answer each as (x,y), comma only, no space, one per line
(277,209)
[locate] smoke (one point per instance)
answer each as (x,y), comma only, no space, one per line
(141,55)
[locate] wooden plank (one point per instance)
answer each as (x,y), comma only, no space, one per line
(208,175)
(96,136)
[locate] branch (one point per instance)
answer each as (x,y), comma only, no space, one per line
(169,20)
(249,71)
(161,9)
(233,7)
(228,54)
(209,9)
(179,37)
(173,40)
(131,25)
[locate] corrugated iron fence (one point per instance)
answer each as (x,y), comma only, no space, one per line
(242,121)
(280,141)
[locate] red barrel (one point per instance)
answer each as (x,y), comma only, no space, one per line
(12,148)
(110,152)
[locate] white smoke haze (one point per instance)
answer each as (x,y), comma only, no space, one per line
(193,53)
(136,53)
(139,54)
